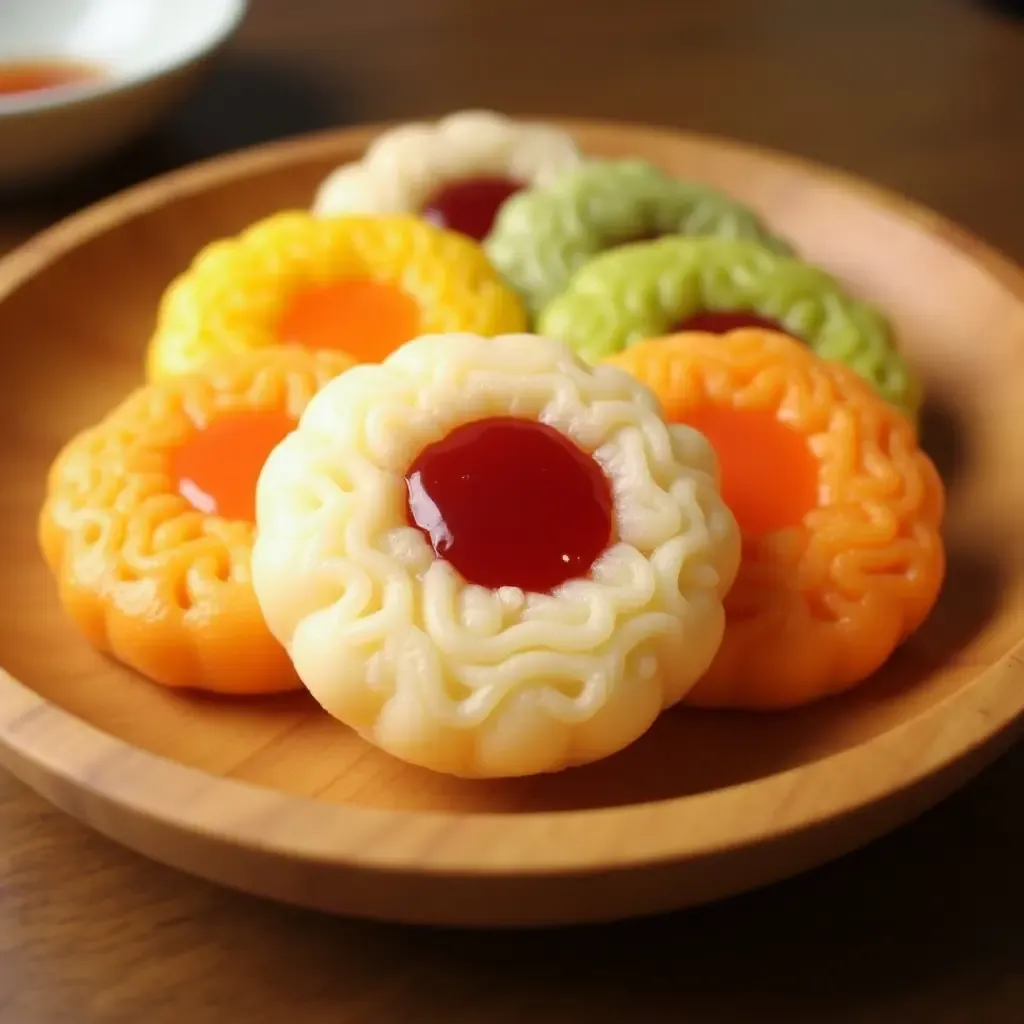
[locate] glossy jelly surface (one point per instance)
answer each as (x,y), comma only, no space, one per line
(366,318)
(723,321)
(511,502)
(470,206)
(769,474)
(217,468)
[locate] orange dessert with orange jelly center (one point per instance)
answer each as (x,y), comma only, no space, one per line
(839,509)
(148,523)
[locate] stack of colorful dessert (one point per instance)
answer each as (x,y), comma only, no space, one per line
(493,552)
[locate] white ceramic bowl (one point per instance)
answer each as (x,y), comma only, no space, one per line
(149,53)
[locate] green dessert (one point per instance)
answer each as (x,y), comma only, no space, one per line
(542,235)
(650,289)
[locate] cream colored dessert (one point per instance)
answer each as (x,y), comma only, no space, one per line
(491,680)
(404,168)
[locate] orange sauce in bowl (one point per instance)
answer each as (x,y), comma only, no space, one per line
(18,77)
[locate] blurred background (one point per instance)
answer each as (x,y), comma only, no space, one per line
(926,96)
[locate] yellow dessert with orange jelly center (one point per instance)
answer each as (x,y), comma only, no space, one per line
(363,285)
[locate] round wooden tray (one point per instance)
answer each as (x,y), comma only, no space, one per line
(273,797)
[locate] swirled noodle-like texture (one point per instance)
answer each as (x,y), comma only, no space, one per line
(233,295)
(643,291)
(818,607)
(165,588)
(461,678)
(403,167)
(543,235)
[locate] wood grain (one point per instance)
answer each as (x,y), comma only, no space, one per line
(703,805)
(905,956)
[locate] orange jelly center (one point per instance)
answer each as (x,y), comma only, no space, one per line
(367,319)
(769,474)
(511,503)
(217,468)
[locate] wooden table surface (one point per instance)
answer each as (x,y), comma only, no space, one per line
(926,96)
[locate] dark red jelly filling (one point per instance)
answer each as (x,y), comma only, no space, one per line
(469,206)
(723,321)
(644,236)
(511,503)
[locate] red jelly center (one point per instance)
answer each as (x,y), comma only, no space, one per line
(511,503)
(723,321)
(469,206)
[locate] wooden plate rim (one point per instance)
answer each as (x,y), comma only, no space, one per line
(41,741)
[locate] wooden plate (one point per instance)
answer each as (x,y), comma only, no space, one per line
(273,797)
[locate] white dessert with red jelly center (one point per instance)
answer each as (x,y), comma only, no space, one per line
(455,172)
(492,559)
